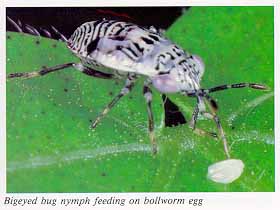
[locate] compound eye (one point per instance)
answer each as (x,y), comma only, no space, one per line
(199,63)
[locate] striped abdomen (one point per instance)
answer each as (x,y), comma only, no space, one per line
(87,35)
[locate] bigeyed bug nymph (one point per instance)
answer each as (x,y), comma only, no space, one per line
(130,51)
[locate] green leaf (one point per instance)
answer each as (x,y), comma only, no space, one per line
(50,147)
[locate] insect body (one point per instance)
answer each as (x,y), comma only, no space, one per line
(129,49)
(114,49)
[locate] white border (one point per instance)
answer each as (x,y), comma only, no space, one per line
(2,101)
(211,200)
(56,3)
(277,95)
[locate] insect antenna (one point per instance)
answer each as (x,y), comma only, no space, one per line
(205,92)
(236,85)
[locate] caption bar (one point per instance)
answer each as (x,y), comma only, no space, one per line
(100,201)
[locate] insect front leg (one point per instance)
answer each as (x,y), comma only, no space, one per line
(148,96)
(129,84)
(216,119)
(199,108)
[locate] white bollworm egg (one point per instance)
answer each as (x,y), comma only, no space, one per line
(225,171)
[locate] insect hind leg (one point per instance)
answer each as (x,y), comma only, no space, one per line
(78,66)
(42,72)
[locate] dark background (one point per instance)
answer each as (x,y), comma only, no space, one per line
(67,19)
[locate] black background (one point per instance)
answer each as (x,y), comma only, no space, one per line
(67,19)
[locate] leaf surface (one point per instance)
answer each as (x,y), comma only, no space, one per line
(50,147)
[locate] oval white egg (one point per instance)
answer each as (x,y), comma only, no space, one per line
(225,171)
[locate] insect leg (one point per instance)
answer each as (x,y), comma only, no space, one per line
(44,71)
(199,108)
(41,72)
(148,96)
(129,84)
(216,119)
(91,72)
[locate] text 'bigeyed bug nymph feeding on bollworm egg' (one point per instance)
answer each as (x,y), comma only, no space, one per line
(111,49)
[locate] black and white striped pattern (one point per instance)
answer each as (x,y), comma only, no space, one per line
(130,39)
(138,45)
(88,35)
